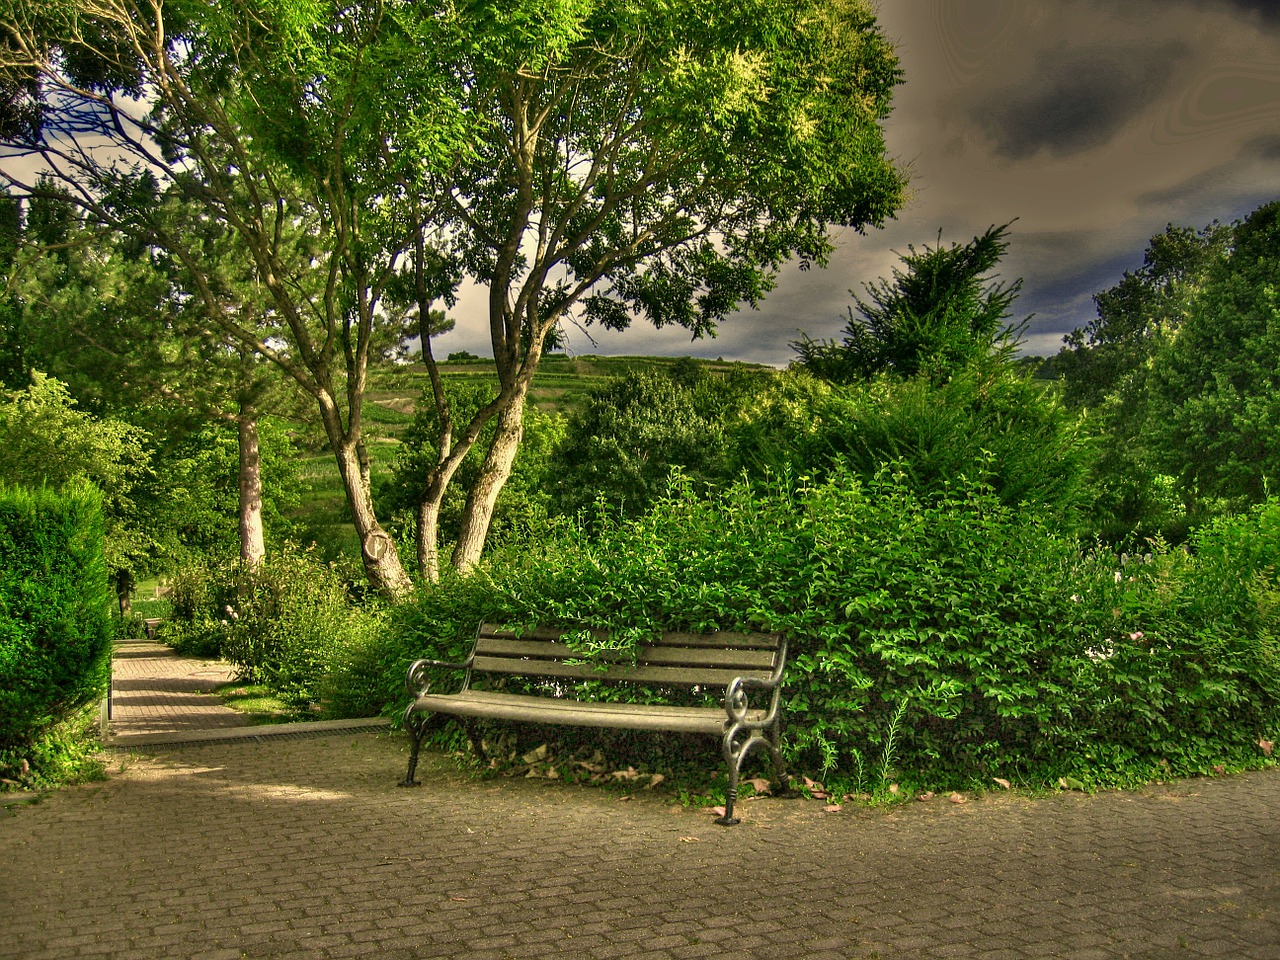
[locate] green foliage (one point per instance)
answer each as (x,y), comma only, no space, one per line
(938,638)
(940,314)
(992,424)
(1178,374)
(55,631)
(1138,315)
(1214,419)
(523,505)
(281,623)
(191,501)
(66,752)
(47,440)
(621,445)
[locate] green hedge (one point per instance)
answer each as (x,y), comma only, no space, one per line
(55,628)
(939,639)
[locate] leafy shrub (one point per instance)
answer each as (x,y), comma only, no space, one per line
(629,433)
(55,626)
(992,424)
(282,623)
(942,637)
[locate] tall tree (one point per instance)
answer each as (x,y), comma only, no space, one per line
(1140,313)
(1214,392)
(113,319)
(12,366)
(595,162)
(261,113)
(643,159)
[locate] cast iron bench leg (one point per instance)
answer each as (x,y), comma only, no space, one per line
(417,725)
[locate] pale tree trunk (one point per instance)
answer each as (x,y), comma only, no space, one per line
(429,514)
(252,544)
(429,538)
(483,496)
(378,551)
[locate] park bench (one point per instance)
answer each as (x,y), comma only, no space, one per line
(554,682)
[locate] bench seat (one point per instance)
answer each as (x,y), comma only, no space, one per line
(743,670)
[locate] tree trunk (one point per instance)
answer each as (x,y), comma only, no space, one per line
(378,551)
(429,538)
(124,591)
(483,496)
(252,544)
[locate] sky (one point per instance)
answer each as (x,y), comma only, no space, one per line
(1091,124)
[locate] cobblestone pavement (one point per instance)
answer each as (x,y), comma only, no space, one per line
(153,691)
(303,847)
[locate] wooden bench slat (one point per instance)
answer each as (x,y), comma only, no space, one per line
(567,711)
(535,650)
(637,674)
(724,639)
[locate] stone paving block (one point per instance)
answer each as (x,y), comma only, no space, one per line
(305,848)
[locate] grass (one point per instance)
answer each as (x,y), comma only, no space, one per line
(260,704)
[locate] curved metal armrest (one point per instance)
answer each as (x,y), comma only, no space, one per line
(735,694)
(416,680)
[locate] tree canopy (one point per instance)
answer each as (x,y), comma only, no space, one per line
(588,163)
(940,312)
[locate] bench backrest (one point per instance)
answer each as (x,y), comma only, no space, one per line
(687,659)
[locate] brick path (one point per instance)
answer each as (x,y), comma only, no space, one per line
(304,848)
(153,692)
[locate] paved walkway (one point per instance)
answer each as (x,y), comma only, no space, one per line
(160,699)
(292,847)
(154,692)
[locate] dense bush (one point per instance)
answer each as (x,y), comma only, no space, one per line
(55,628)
(942,639)
(284,622)
(622,443)
(990,423)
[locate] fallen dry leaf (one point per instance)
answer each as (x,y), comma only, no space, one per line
(832,808)
(628,774)
(894,789)
(958,798)
(536,754)
(654,780)
(927,795)
(760,785)
(1220,770)
(1002,782)
(458,899)
(1266,746)
(718,811)
(690,840)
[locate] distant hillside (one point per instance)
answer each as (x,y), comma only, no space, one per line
(560,386)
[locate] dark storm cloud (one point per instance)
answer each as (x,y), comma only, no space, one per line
(1077,98)
(1265,148)
(1266,10)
